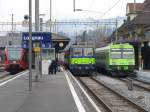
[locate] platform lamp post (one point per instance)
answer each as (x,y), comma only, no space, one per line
(30,45)
(37,45)
(41,29)
(27,17)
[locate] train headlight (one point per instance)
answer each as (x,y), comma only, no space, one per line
(14,62)
(90,62)
(131,63)
(75,62)
(113,63)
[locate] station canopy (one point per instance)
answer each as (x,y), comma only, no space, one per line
(59,41)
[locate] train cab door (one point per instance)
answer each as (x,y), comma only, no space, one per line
(48,54)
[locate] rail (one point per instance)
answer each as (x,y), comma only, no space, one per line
(104,93)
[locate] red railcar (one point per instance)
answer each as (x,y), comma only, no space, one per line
(16,59)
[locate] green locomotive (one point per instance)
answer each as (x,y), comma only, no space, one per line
(116,58)
(80,59)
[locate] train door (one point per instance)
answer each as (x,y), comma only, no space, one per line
(48,54)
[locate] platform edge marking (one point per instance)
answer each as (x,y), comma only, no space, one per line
(86,94)
(5,82)
(74,94)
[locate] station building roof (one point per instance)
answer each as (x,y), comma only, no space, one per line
(59,42)
(57,37)
(130,7)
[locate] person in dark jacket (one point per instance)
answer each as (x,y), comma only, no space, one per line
(50,69)
(53,66)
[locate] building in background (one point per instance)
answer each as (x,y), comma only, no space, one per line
(131,13)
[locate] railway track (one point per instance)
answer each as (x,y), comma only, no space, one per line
(4,74)
(143,81)
(137,83)
(109,98)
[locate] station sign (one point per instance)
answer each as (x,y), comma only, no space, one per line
(44,39)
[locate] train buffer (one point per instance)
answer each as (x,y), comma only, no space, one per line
(51,94)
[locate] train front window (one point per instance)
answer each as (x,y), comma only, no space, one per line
(115,53)
(14,53)
(77,52)
(128,53)
(88,51)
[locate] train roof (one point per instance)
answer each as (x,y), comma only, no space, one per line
(121,45)
(83,45)
(15,46)
(102,48)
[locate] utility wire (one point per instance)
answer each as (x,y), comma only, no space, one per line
(91,4)
(111,8)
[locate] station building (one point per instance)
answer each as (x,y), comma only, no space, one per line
(59,42)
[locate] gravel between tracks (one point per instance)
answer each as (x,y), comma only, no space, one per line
(138,95)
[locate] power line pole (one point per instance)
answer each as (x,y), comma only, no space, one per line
(12,17)
(37,15)
(74,5)
(116,29)
(134,6)
(30,45)
(50,21)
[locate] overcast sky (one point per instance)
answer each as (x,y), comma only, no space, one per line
(63,9)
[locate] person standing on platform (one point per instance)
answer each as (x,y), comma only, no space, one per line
(54,66)
(50,69)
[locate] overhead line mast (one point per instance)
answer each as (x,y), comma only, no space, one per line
(134,6)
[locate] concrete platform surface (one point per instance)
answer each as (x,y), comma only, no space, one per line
(144,73)
(50,94)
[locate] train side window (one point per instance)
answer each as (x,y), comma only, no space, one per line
(102,55)
(77,52)
(88,52)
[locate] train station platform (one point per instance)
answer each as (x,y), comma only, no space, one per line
(143,75)
(50,94)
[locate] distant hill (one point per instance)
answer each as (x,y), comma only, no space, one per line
(73,27)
